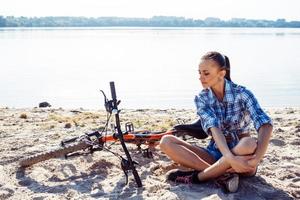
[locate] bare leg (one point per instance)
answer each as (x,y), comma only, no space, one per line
(186,154)
(246,146)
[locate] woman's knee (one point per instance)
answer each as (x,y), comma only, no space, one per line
(246,146)
(166,141)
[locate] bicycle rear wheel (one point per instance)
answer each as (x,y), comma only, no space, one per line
(56,153)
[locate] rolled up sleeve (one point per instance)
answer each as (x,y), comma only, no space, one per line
(206,114)
(258,116)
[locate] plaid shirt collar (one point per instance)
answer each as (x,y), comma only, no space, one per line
(228,96)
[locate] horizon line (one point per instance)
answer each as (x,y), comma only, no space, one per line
(209,17)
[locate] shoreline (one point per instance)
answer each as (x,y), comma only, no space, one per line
(27,131)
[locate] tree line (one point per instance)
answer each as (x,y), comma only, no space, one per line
(156,21)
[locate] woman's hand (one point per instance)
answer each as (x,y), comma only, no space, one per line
(251,161)
(242,164)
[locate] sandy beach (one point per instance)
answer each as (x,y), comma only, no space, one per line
(24,132)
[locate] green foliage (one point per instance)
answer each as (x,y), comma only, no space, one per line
(156,21)
(2,21)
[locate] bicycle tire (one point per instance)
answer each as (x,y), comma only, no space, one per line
(55,153)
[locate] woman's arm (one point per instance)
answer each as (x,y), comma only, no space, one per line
(262,123)
(264,135)
(221,142)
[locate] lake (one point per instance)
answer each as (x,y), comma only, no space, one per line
(151,67)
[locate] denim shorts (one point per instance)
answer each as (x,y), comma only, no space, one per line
(213,150)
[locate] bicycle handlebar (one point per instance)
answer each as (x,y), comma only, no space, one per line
(113,91)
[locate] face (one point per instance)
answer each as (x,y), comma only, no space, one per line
(210,73)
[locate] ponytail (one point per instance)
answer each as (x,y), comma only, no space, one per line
(227,68)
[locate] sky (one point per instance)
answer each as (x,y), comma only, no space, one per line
(197,9)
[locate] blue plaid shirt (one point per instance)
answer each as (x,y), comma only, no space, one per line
(234,114)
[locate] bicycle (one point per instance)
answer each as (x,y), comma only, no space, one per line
(95,141)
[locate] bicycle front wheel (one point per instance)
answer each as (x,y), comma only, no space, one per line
(56,153)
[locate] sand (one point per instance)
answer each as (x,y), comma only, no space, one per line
(25,132)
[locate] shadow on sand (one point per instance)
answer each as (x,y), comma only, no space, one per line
(85,183)
(82,182)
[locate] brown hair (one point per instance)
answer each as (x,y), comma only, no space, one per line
(222,60)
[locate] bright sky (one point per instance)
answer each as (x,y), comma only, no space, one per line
(197,9)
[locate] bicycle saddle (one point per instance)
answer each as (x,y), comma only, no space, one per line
(194,129)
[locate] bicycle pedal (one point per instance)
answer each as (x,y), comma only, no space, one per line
(126,165)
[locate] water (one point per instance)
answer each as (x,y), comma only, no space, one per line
(151,67)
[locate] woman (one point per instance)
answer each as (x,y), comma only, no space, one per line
(226,111)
